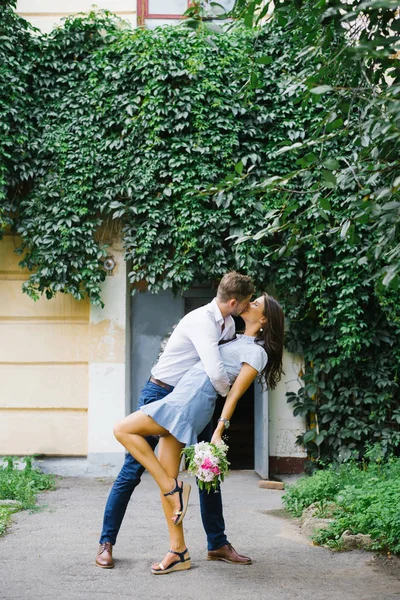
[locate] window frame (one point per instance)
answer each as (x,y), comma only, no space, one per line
(143,13)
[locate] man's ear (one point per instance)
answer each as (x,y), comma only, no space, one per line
(232,303)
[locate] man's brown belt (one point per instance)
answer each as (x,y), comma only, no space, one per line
(166,386)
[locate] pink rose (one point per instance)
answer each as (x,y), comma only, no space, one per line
(207,464)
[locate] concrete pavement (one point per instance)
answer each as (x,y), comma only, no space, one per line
(49,555)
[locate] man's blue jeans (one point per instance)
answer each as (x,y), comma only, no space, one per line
(130,475)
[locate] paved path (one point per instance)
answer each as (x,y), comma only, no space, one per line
(49,555)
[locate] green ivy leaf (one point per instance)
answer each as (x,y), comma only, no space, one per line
(309,436)
(321,89)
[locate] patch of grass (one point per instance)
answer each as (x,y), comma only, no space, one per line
(366,500)
(22,485)
(5,516)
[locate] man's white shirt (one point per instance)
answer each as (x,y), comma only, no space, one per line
(196,337)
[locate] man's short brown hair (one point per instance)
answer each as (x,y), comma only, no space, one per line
(234,285)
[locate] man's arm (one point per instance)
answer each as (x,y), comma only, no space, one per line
(204,336)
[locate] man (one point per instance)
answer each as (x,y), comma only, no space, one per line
(195,337)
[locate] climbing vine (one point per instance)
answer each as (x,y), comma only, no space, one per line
(168,134)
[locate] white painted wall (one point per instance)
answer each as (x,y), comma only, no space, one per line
(283,426)
(109,367)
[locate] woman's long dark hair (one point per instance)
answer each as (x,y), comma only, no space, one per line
(271,338)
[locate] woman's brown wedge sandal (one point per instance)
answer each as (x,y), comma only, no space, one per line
(179,565)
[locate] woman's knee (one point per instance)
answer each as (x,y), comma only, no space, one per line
(137,423)
(129,425)
(121,430)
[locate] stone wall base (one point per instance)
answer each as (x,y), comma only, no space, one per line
(94,465)
(287,465)
(109,465)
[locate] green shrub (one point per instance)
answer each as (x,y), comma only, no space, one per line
(366,500)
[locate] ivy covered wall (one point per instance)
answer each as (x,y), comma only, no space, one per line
(167,133)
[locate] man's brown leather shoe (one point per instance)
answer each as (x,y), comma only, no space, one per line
(228,554)
(104,557)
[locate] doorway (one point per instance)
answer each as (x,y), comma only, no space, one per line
(240,435)
(153,319)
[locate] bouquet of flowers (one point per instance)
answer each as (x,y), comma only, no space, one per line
(208,463)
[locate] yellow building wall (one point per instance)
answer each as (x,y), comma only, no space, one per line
(43,367)
(47,14)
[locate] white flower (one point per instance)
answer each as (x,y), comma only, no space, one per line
(203,463)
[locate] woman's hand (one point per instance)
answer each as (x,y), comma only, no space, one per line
(216,438)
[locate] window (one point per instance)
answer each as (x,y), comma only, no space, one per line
(161,10)
(156,12)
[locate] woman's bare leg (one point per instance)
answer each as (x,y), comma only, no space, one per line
(169,455)
(131,433)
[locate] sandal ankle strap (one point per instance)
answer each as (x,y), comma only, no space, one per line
(177,488)
(180,554)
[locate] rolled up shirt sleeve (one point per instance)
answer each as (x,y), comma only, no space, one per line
(205,339)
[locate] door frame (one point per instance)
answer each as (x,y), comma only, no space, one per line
(261,450)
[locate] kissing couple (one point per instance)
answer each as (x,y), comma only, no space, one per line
(203,358)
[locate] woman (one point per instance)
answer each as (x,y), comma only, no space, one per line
(184,413)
